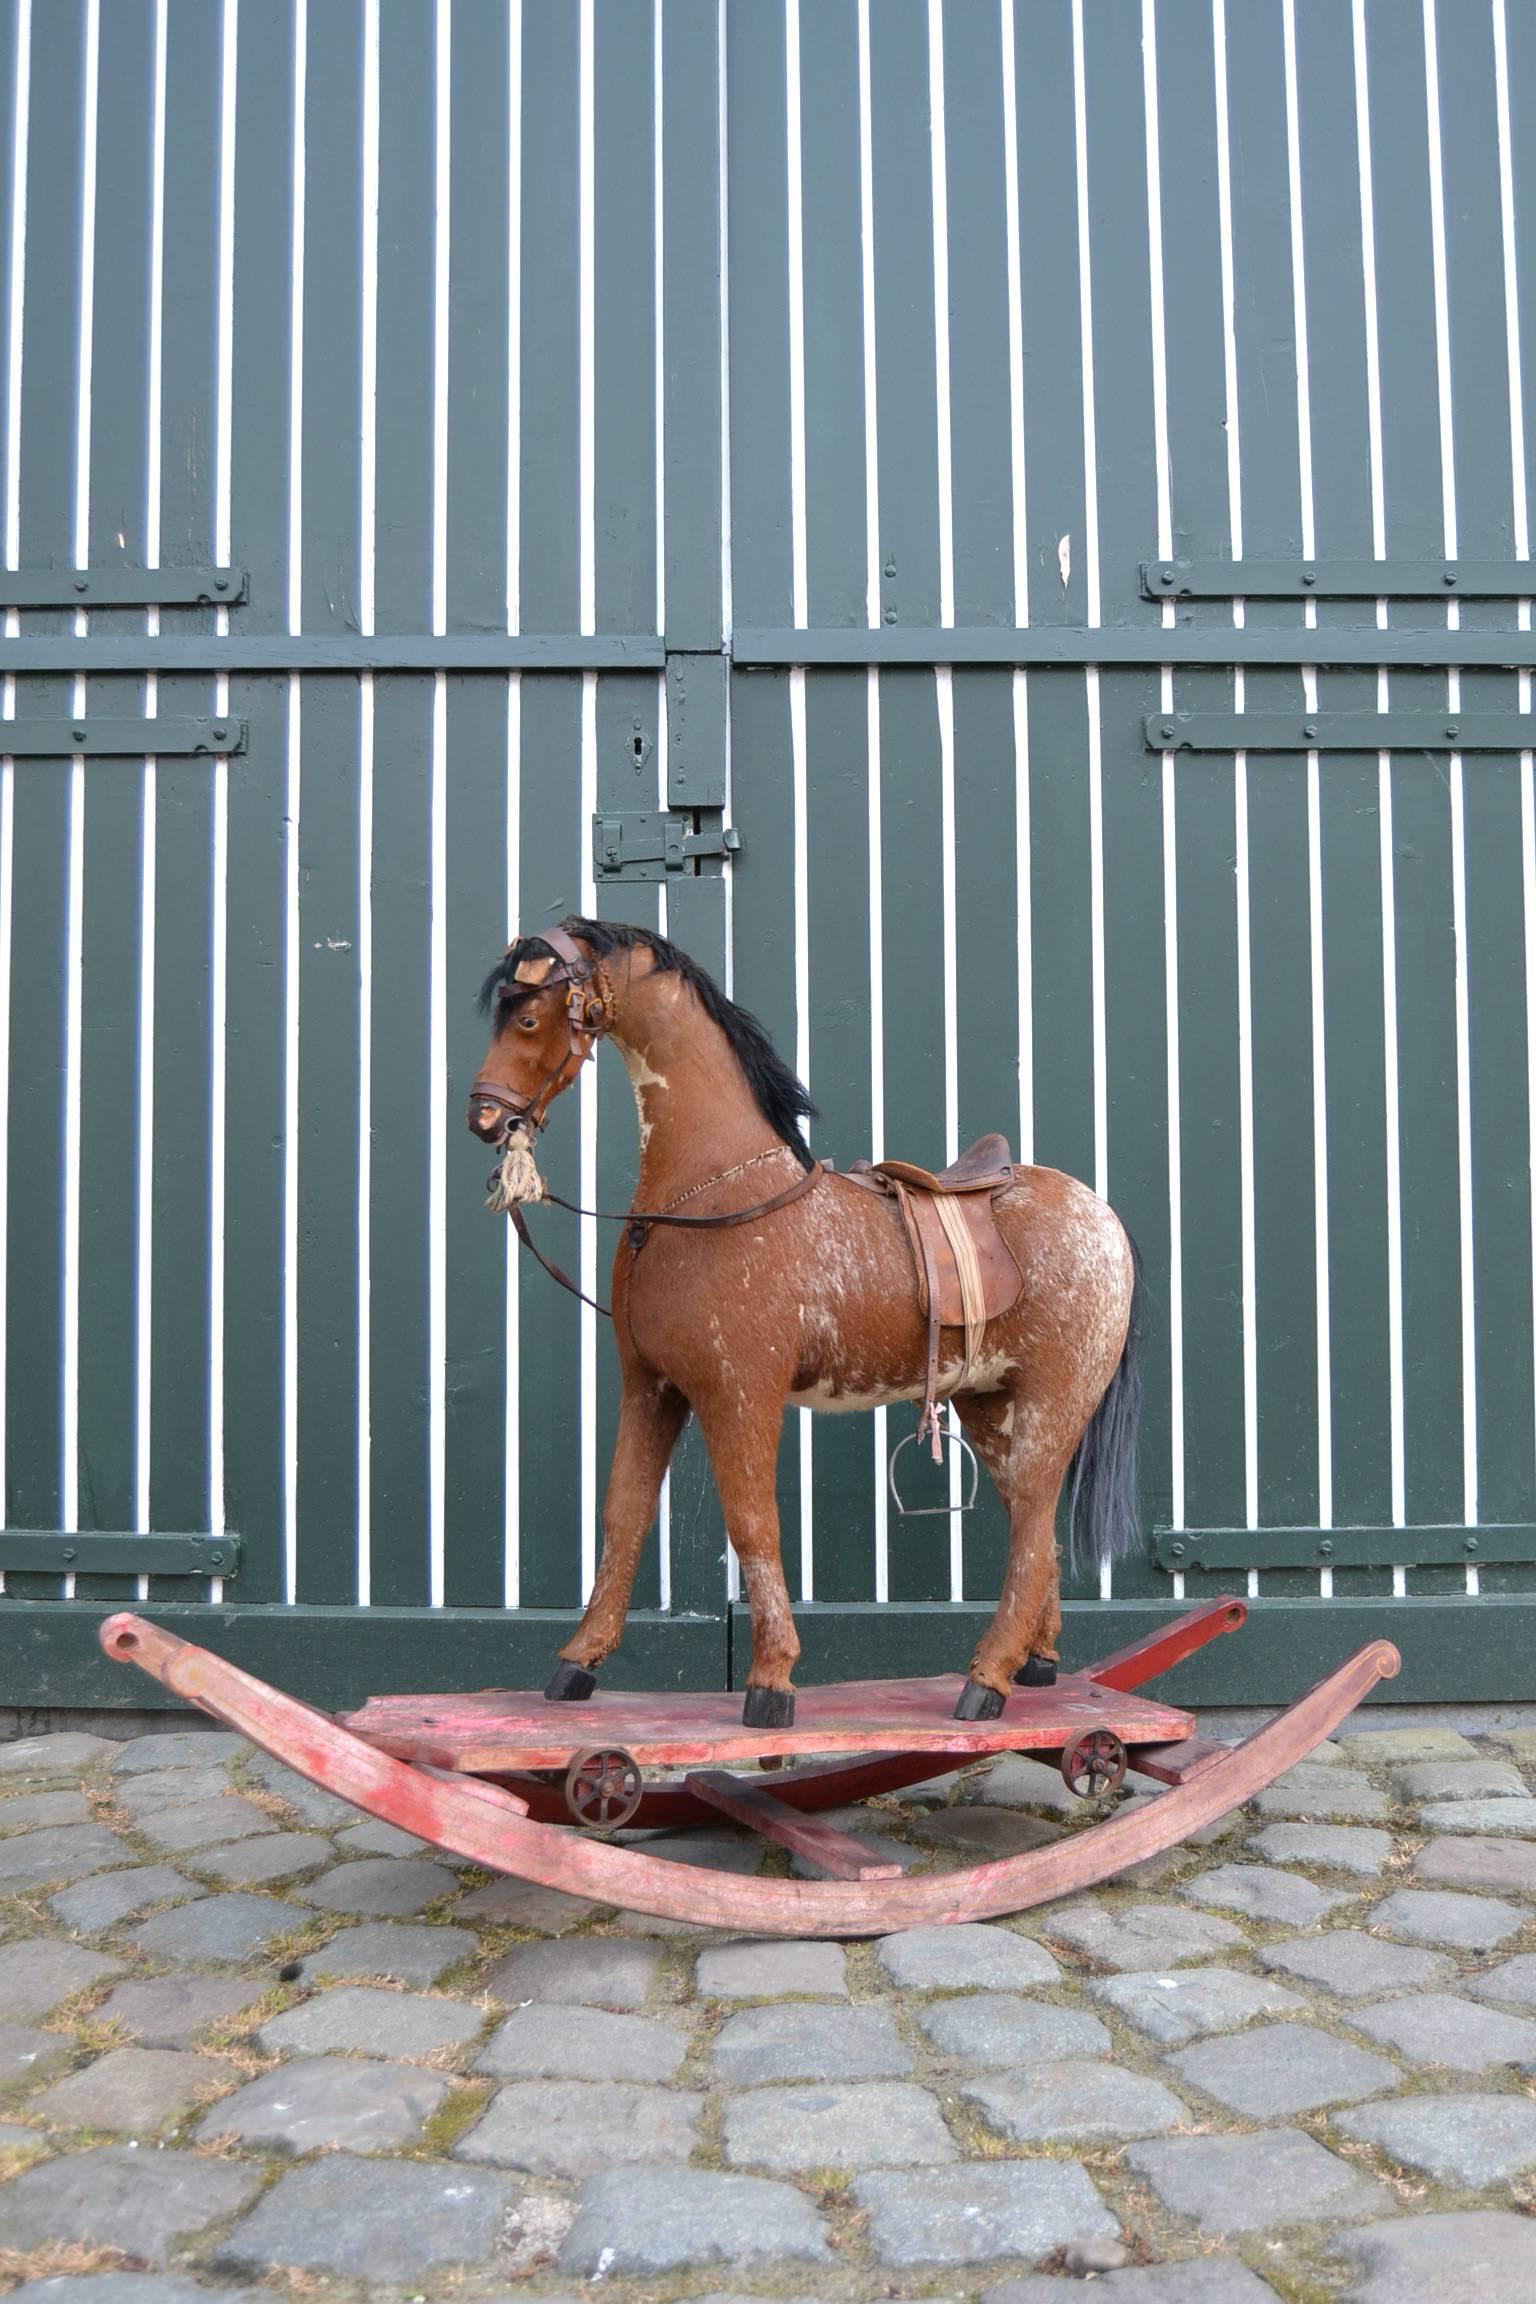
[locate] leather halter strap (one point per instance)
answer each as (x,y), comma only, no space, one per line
(641,1219)
(589,1013)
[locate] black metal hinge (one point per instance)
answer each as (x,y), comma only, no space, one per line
(651,844)
(71,1551)
(1303,731)
(1338,579)
(1224,1550)
(121,587)
(120,739)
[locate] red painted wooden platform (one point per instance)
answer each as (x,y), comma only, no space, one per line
(499,1731)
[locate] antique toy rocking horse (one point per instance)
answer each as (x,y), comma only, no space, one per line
(750,1277)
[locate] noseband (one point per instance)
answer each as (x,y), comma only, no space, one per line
(589,1013)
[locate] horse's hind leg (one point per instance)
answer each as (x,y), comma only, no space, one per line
(651,1415)
(1028,1478)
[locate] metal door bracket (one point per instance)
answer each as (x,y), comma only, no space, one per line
(119,739)
(70,1551)
(1339,579)
(121,587)
(1302,731)
(650,844)
(1229,1550)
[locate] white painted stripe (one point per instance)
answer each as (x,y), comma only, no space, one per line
(659,327)
(940,200)
(442,150)
(588,1094)
(1024,931)
(879,1492)
(1024,928)
(1014,240)
(364,1474)
(16,284)
(296,322)
(587,322)
(1321,1283)
(1239,780)
(802,926)
(1163,467)
(722,178)
(664,1500)
(1391,1100)
(74,929)
(1091,578)
(437,1152)
(1522,529)
(291,832)
(1458,805)
(7,919)
(515,354)
(795,254)
(1085,318)
(292,812)
(218,958)
(867,300)
(367,572)
(437,1027)
(16,294)
(512,1492)
(143,1369)
(944,683)
(368,350)
(512,1532)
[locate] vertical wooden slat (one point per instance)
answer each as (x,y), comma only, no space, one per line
(1500,1149)
(1204,834)
(114,789)
(477,828)
(1135,995)
(551,831)
(401,846)
(34,1265)
(1354,1023)
(328,842)
(1425,954)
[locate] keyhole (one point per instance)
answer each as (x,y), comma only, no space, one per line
(639,751)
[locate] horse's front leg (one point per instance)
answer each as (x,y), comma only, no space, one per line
(651,1415)
(743,1439)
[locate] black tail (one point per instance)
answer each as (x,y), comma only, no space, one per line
(1102,1516)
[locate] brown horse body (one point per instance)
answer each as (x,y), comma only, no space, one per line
(813,1305)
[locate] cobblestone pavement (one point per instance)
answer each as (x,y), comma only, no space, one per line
(252,2044)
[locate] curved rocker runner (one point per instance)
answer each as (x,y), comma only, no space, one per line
(897,1729)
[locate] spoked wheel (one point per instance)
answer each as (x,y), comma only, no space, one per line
(1093,1763)
(603,1787)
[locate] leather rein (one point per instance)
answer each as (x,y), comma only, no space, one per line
(591,1015)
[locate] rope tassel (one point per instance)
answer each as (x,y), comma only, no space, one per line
(516,1182)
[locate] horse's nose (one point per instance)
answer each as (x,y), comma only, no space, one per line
(486,1118)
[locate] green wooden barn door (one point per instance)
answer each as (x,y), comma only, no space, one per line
(1209,883)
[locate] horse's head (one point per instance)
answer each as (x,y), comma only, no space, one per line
(549,1001)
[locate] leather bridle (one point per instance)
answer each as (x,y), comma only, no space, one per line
(589,1014)
(589,1009)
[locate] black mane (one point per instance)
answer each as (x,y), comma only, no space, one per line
(779,1096)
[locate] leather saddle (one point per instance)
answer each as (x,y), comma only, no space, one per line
(966,1274)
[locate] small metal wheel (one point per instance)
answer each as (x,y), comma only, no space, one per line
(1093,1763)
(603,1787)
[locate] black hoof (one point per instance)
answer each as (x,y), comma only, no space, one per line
(572,1684)
(769,1708)
(1035,1672)
(977,1702)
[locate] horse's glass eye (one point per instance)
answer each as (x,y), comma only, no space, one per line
(526,1023)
